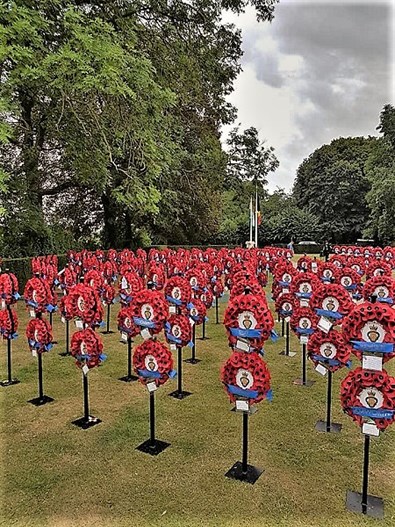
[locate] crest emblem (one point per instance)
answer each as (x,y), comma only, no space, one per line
(244,379)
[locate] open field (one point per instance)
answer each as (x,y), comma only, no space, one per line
(56,475)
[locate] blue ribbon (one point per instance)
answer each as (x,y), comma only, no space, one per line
(190,344)
(148,373)
(246,333)
(102,324)
(325,360)
(173,300)
(325,279)
(305,331)
(269,395)
(172,338)
(284,284)
(126,298)
(329,314)
(190,305)
(102,357)
(51,308)
(274,336)
(374,413)
(32,303)
(17,296)
(374,347)
(285,313)
(236,390)
(303,295)
(143,322)
(387,300)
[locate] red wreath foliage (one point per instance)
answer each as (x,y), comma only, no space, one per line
(197,311)
(178,288)
(282,301)
(349,277)
(196,279)
(157,312)
(38,294)
(87,348)
(381,286)
(301,313)
(8,323)
(39,330)
(67,278)
(304,282)
(161,354)
(243,279)
(332,291)
(94,279)
(316,346)
(179,326)
(108,293)
(157,275)
(360,379)
(207,298)
(125,322)
(85,304)
(252,363)
(9,288)
(217,288)
(65,307)
(134,284)
(377,268)
(110,271)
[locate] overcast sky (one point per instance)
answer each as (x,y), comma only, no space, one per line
(319,71)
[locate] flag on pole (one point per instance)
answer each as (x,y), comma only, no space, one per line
(258,212)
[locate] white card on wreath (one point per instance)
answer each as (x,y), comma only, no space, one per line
(372,362)
(79,324)
(145,334)
(191,321)
(124,283)
(242,345)
(370,429)
(34,353)
(151,386)
(85,369)
(3,304)
(304,302)
(304,339)
(287,319)
(242,406)
(285,290)
(124,336)
(173,347)
(172,310)
(321,369)
(324,324)
(63,320)
(32,313)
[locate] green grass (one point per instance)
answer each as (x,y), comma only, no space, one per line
(56,475)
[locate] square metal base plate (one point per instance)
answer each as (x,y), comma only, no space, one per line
(9,383)
(85,424)
(236,472)
(192,361)
(129,378)
(179,395)
(153,448)
(375,505)
(107,332)
(65,354)
(290,354)
(307,384)
(335,428)
(37,401)
(203,338)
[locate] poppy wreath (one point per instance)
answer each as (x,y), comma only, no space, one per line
(303,285)
(304,321)
(370,327)
(38,295)
(94,279)
(331,301)
(241,280)
(85,304)
(329,349)
(178,291)
(153,362)
(262,277)
(207,298)
(377,268)
(388,254)
(9,323)
(197,311)
(108,294)
(150,310)
(39,335)
(284,274)
(87,348)
(131,284)
(367,395)
(65,308)
(217,288)
(125,322)
(338,259)
(178,330)
(328,272)
(156,274)
(9,288)
(248,317)
(246,376)
(110,271)
(67,278)
(350,279)
(196,279)
(285,304)
(37,266)
(304,262)
(382,287)
(357,264)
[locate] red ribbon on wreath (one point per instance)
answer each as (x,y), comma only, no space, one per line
(329,349)
(85,304)
(150,310)
(153,362)
(87,348)
(39,335)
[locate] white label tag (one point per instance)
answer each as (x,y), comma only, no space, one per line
(34,352)
(192,322)
(324,324)
(124,283)
(172,310)
(145,334)
(173,347)
(85,369)
(79,324)
(242,406)
(61,272)
(64,292)
(285,290)
(287,319)
(151,386)
(314,267)
(304,302)
(321,369)
(372,362)
(3,304)
(304,339)
(63,320)
(370,429)
(32,313)
(242,345)
(124,337)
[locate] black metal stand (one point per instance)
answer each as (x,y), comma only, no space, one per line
(203,337)
(242,470)
(41,399)
(51,324)
(327,426)
(129,377)
(362,502)
(216,310)
(67,352)
(303,381)
(287,353)
(282,327)
(87,421)
(152,446)
(108,332)
(10,381)
(179,393)
(193,359)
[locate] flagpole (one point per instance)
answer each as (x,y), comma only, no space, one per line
(256,214)
(251,218)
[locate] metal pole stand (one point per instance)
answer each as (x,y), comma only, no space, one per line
(216,310)
(10,381)
(287,353)
(362,502)
(41,399)
(193,359)
(203,337)
(108,332)
(179,393)
(129,377)
(87,421)
(328,426)
(303,381)
(242,470)
(152,446)
(67,352)
(282,327)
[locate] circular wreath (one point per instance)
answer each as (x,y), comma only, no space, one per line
(350,279)
(39,335)
(131,284)
(85,304)
(304,262)
(94,279)
(284,273)
(377,268)
(67,278)
(383,287)
(329,349)
(371,328)
(246,376)
(247,316)
(217,288)
(357,264)
(303,321)
(110,271)
(178,291)
(65,307)
(38,295)
(331,301)
(8,323)
(196,279)
(303,285)
(87,348)
(285,304)
(328,272)
(369,395)
(207,298)
(241,280)
(108,294)
(153,362)
(197,311)
(9,288)
(156,274)
(150,310)
(125,322)
(178,330)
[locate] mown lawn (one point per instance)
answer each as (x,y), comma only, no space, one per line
(54,474)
